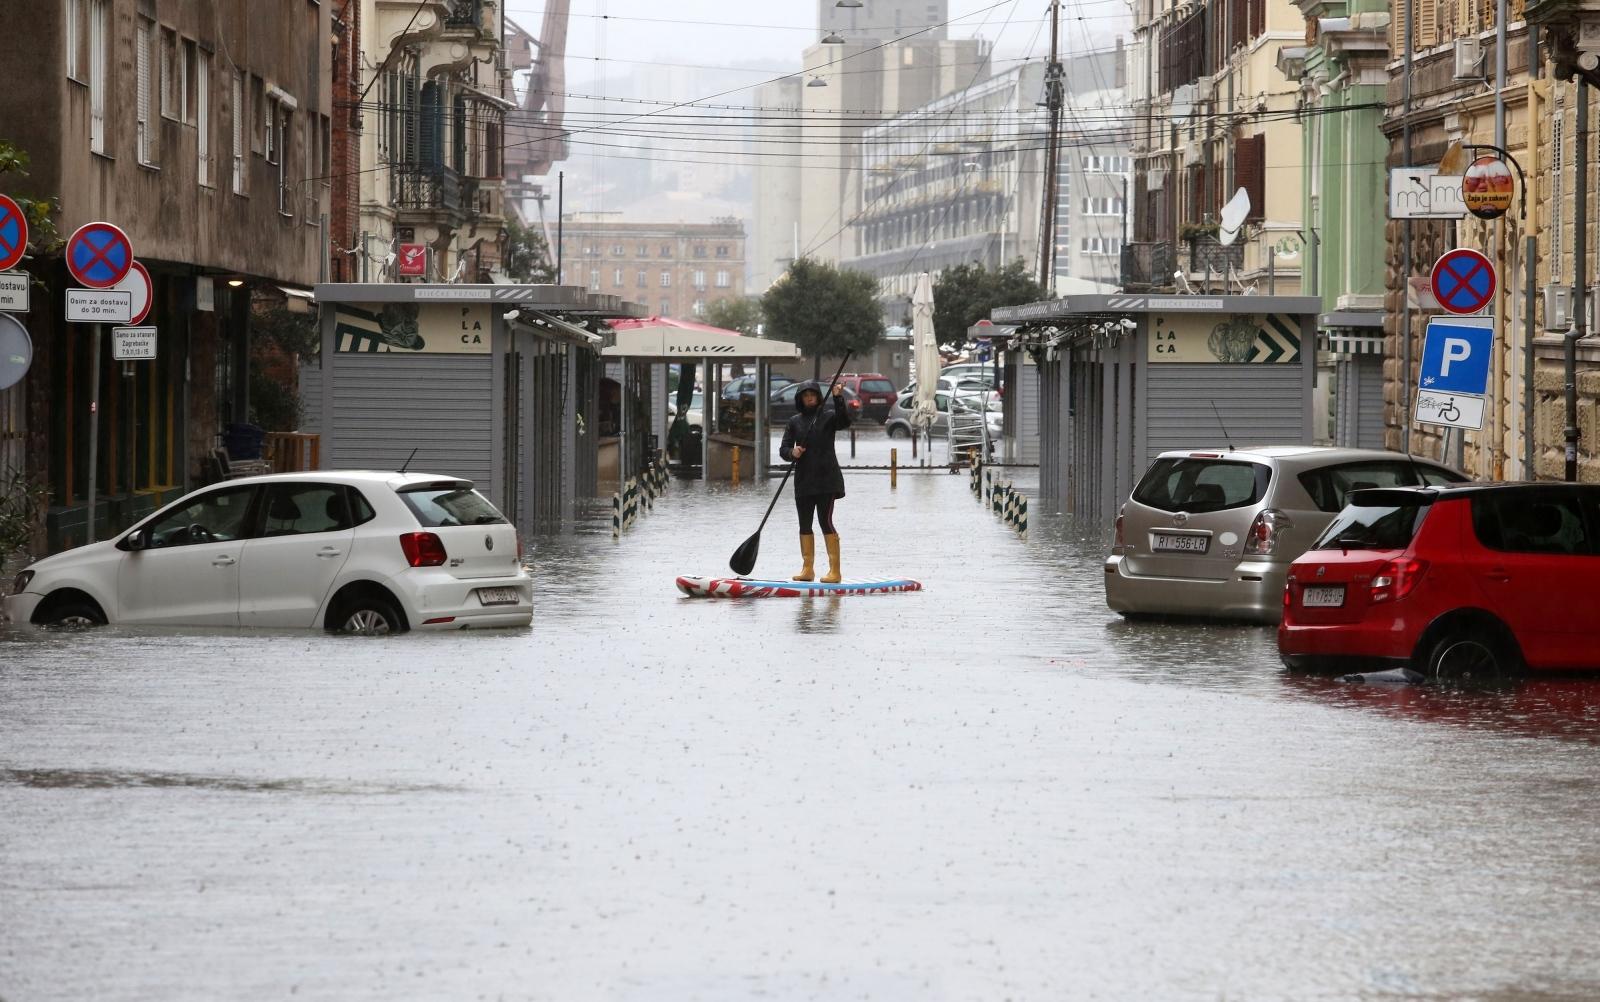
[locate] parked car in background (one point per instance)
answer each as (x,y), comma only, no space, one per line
(948,384)
(744,387)
(694,414)
(354,552)
(898,424)
(1211,533)
(1461,582)
(780,406)
(877,393)
(970,372)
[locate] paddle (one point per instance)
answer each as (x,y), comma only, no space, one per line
(743,560)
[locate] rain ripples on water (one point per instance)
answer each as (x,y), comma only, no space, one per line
(990,789)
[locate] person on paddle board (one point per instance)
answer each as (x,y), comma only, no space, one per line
(818,481)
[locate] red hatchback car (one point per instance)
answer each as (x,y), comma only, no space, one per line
(876,392)
(1470,582)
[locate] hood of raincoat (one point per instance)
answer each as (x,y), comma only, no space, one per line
(810,385)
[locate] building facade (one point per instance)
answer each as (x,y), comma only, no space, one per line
(202,131)
(672,269)
(1212,116)
(436,92)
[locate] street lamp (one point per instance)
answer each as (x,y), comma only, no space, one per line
(832,38)
(848,4)
(817,82)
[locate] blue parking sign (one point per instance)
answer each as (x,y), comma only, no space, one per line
(1455,355)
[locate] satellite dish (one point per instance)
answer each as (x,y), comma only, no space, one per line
(1233,216)
(1182,104)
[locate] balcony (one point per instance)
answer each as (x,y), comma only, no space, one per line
(1150,265)
(414,188)
(465,14)
(1147,266)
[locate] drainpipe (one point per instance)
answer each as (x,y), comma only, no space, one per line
(1580,262)
(1403,392)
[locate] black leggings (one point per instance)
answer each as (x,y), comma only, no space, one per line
(822,507)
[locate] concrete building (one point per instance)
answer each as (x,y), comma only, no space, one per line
(202,130)
(672,269)
(885,19)
(848,88)
(1211,115)
(432,136)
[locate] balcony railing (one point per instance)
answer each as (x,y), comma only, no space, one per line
(1150,265)
(1207,256)
(1147,265)
(465,14)
(415,187)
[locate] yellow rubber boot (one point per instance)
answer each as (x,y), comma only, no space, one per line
(808,552)
(832,577)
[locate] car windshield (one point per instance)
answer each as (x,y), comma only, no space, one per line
(438,506)
(877,386)
(1202,485)
(1376,527)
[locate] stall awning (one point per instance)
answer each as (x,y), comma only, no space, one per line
(545,323)
(665,338)
(1351,320)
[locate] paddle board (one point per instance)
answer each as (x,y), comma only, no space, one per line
(750,588)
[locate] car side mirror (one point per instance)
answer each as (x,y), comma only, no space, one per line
(136,541)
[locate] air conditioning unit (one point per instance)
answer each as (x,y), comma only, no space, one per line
(1469,58)
(1557,308)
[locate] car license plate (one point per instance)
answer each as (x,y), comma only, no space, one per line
(499,596)
(1323,597)
(1171,543)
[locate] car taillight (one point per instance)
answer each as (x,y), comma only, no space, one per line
(1119,540)
(1262,539)
(423,549)
(1396,579)
(1288,592)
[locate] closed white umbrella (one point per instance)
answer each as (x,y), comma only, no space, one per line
(924,410)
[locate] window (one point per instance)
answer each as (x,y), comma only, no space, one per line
(257,115)
(457,504)
(666,250)
(99,43)
(240,130)
(313,171)
(722,250)
(594,279)
(666,308)
(1386,527)
(170,73)
(270,132)
(644,279)
(616,250)
(1200,485)
(666,279)
(616,278)
(74,32)
(723,281)
(219,516)
(700,280)
(303,509)
(1520,521)
(202,106)
(187,104)
(699,250)
(644,250)
(1100,245)
(1329,486)
(1102,206)
(145,134)
(699,307)
(280,126)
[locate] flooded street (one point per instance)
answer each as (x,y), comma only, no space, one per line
(990,789)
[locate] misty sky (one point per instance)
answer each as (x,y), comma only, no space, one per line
(784,28)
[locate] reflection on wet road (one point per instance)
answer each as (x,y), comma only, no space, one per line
(989,789)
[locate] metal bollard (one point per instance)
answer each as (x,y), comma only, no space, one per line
(616,515)
(736,466)
(894,468)
(852,441)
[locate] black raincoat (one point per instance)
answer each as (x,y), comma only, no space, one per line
(817,473)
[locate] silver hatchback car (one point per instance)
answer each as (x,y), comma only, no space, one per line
(1212,534)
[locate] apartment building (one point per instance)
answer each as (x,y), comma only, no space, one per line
(673,269)
(202,130)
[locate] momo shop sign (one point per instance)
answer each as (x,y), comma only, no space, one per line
(414,328)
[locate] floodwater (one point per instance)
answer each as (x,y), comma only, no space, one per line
(992,789)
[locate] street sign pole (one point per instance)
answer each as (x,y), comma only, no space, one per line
(94,433)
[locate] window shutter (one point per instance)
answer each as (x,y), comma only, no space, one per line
(141,72)
(1427,33)
(203,117)
(1250,168)
(238,132)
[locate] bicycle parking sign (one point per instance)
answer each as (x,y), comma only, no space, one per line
(1454,375)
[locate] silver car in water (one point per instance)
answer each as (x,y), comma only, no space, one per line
(1211,533)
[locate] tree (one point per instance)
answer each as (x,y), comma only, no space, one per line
(825,310)
(965,294)
(742,315)
(527,257)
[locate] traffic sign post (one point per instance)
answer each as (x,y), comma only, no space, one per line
(13,233)
(99,255)
(1463,281)
(1453,377)
(16,351)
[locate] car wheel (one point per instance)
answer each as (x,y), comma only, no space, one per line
(367,616)
(1470,657)
(74,614)
(899,431)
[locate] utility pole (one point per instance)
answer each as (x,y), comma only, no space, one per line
(1054,98)
(1580,264)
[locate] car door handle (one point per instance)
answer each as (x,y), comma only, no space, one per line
(329,551)
(1497,574)
(223,561)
